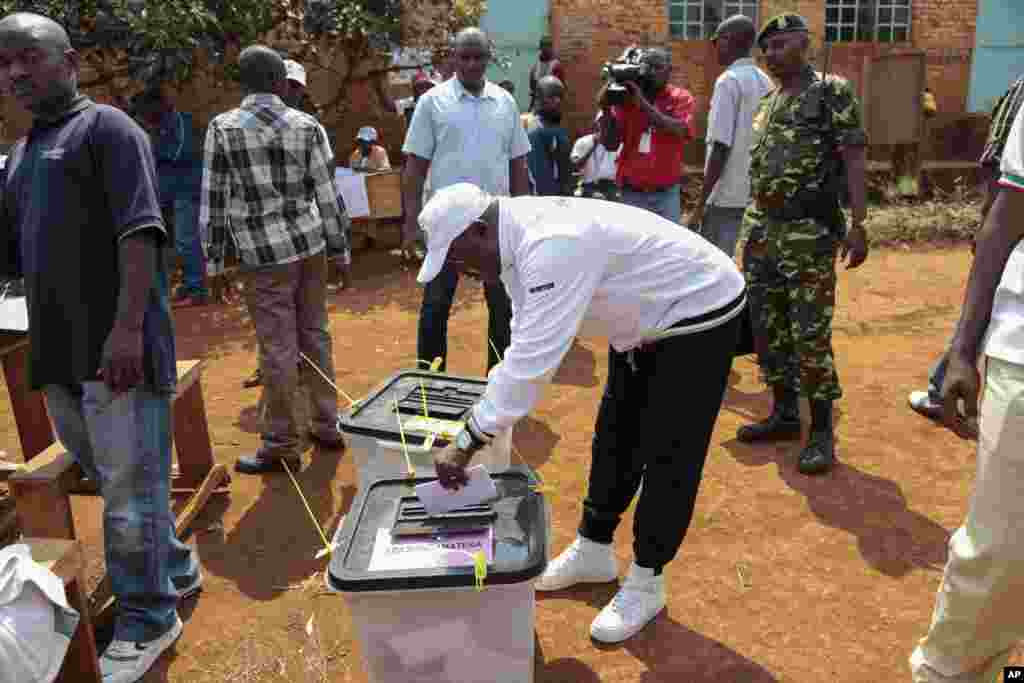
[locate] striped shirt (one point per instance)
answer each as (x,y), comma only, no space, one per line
(1002,122)
(266,180)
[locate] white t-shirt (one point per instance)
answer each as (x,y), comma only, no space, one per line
(738,92)
(1005,336)
(596,268)
(602,163)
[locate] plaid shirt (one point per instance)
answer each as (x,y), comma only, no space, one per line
(266,180)
(1002,121)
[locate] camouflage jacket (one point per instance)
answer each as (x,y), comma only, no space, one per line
(795,136)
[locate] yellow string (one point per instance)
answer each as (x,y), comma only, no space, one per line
(496,351)
(313,365)
(479,569)
(316,523)
(423,395)
(409,469)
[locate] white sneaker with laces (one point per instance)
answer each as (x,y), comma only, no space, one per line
(128,662)
(584,561)
(639,600)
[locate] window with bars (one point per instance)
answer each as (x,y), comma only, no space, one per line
(698,19)
(883,21)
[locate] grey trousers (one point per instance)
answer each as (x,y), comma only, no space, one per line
(288,307)
(722,226)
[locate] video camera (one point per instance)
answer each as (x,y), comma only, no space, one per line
(631,66)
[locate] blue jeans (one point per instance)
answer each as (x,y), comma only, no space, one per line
(665,202)
(936,377)
(123,442)
(188,245)
(438,294)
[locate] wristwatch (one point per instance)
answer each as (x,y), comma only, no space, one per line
(467,442)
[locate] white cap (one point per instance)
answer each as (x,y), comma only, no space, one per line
(446,216)
(294,71)
(367,134)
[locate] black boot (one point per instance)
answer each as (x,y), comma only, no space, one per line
(819,455)
(782,425)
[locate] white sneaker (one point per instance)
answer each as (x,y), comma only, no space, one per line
(923,404)
(640,599)
(584,561)
(128,662)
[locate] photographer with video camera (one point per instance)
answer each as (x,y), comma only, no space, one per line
(652,120)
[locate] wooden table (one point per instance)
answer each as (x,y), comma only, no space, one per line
(34,430)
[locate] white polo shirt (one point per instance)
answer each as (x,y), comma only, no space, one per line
(467,139)
(601,165)
(738,92)
(595,268)
(1005,336)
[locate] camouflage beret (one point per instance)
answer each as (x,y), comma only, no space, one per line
(783,23)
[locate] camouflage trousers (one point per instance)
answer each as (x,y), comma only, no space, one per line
(791,287)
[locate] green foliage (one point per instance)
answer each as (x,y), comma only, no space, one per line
(160,40)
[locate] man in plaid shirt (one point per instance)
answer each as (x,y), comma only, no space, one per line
(267,182)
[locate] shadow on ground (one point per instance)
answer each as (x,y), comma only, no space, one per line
(669,650)
(891,537)
(272,546)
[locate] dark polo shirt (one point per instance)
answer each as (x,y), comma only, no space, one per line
(77,186)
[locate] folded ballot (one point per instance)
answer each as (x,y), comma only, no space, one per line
(438,500)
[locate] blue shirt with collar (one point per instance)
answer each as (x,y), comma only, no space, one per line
(467,138)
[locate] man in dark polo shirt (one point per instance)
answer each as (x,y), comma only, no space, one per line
(80,207)
(653,125)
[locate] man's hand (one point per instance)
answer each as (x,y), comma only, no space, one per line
(856,246)
(450,464)
(121,363)
(962,383)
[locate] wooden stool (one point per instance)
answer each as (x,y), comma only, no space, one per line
(64,558)
(42,487)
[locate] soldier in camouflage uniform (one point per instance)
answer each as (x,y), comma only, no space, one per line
(804,131)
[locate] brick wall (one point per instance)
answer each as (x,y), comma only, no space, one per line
(589,32)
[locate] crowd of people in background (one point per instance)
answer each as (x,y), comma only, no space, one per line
(482,182)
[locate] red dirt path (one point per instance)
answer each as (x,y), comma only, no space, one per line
(782,577)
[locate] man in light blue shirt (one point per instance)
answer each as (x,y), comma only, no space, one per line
(463,130)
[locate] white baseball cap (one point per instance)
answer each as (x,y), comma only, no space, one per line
(446,216)
(367,134)
(294,71)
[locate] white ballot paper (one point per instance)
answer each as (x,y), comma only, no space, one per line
(14,314)
(352,189)
(438,500)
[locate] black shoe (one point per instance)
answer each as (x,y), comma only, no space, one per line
(782,425)
(777,427)
(259,464)
(819,455)
(254,380)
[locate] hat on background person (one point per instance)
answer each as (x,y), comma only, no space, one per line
(787,22)
(294,71)
(367,134)
(446,216)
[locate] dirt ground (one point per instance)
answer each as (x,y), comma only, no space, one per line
(781,578)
